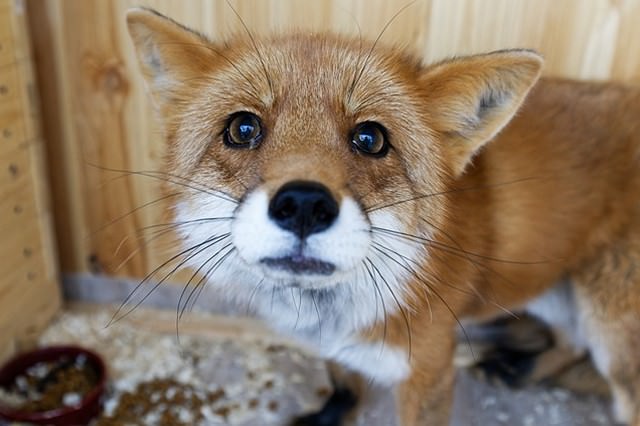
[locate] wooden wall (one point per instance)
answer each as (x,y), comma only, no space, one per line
(29,290)
(96,112)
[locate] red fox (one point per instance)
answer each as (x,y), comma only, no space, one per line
(369,204)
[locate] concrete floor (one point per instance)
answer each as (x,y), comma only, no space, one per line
(480,404)
(243,358)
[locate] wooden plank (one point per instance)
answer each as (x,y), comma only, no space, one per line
(41,193)
(29,101)
(29,293)
(11,110)
(26,262)
(104,90)
(7,350)
(626,59)
(19,327)
(20,31)
(12,133)
(16,208)
(17,241)
(9,84)
(62,148)
(7,55)
(15,171)
(5,23)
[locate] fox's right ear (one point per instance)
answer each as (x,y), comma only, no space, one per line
(472,98)
(169,54)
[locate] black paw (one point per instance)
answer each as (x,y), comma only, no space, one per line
(511,348)
(333,411)
(508,367)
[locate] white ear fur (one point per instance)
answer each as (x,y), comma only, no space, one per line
(472,98)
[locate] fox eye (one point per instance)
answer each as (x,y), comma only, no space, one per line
(370,138)
(243,131)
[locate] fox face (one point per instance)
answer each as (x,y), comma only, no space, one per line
(305,159)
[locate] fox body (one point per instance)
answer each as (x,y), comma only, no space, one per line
(368,204)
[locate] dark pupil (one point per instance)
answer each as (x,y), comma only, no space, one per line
(367,140)
(246,128)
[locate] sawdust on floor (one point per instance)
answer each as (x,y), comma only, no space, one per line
(258,378)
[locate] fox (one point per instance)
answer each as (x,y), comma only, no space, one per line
(372,206)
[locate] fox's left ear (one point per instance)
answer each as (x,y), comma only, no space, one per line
(471,98)
(170,55)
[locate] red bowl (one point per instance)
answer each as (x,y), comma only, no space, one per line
(89,407)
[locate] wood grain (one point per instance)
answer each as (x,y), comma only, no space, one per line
(96,113)
(29,288)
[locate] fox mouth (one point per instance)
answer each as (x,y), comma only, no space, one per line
(299,265)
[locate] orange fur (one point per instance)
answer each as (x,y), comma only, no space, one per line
(554,194)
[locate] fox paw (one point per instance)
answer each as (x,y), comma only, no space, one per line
(507,367)
(506,350)
(332,413)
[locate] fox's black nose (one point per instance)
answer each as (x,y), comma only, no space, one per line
(303,208)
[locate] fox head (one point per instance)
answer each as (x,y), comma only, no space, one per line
(302,158)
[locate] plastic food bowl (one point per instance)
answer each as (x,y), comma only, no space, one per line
(79,414)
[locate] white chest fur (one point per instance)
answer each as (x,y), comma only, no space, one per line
(335,337)
(383,364)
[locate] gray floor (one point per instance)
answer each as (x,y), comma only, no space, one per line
(477,403)
(480,404)
(299,377)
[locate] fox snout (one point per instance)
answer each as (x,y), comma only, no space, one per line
(303,208)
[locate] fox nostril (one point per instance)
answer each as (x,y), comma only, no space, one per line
(303,208)
(285,209)
(320,211)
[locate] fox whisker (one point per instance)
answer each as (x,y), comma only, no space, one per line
(255,46)
(367,58)
(480,267)
(397,302)
(252,295)
(434,243)
(315,305)
(417,197)
(295,326)
(193,250)
(173,179)
(197,271)
(433,291)
(204,279)
(384,308)
(132,211)
(144,238)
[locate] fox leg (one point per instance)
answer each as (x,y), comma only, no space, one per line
(608,302)
(341,407)
(425,398)
(356,401)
